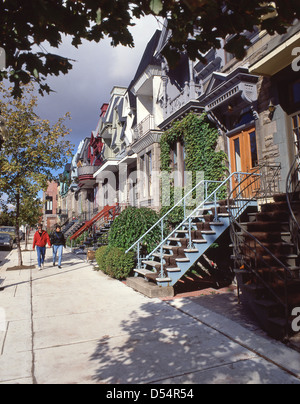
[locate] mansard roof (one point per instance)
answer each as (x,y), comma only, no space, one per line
(149,58)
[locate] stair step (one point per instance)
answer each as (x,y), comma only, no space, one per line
(151,263)
(172,270)
(143,271)
(208,232)
(279,321)
(202,241)
(157,255)
(163,280)
(266,303)
(191,250)
(182,260)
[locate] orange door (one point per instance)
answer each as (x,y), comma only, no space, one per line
(244,159)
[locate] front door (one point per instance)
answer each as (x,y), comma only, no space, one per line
(244,159)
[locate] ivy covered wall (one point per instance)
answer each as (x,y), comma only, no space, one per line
(200,141)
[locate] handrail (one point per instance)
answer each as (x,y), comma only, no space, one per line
(106,211)
(194,211)
(293,186)
(179,203)
(211,197)
(239,240)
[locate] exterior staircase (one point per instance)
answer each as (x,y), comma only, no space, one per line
(269,267)
(108,213)
(177,252)
(267,262)
(72,227)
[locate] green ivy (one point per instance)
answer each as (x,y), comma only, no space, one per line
(200,140)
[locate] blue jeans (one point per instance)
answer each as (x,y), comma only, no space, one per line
(41,252)
(57,249)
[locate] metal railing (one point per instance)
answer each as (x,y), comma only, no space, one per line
(212,198)
(252,255)
(292,193)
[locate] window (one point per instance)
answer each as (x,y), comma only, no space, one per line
(149,173)
(142,176)
(238,160)
(296,132)
(296,92)
(253,146)
(49,205)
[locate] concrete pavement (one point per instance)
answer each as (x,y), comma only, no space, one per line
(78,326)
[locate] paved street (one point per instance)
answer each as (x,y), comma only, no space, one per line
(77,326)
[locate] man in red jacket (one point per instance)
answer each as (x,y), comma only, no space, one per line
(40,240)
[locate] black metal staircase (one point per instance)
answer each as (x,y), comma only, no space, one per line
(266,258)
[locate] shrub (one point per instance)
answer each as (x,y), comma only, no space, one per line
(114,262)
(100,256)
(131,225)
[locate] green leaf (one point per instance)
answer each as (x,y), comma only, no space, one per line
(36,73)
(99,16)
(156,6)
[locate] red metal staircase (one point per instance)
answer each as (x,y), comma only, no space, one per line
(106,214)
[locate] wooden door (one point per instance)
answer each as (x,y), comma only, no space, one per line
(244,159)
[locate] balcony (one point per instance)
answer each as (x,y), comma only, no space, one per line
(144,127)
(86,176)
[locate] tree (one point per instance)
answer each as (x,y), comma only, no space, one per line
(31,210)
(31,151)
(197,26)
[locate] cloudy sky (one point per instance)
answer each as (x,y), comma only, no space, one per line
(98,68)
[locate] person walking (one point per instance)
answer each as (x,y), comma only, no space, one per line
(40,240)
(58,243)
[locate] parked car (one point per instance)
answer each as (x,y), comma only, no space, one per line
(6,241)
(10,230)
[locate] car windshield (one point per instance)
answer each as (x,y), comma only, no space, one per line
(4,237)
(7,229)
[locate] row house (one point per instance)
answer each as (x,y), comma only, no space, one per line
(254,103)
(50,205)
(131,174)
(255,106)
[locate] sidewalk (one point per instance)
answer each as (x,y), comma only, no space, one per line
(78,326)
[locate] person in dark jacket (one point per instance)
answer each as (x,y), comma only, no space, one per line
(58,243)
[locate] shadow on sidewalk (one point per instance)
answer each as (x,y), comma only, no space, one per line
(155,345)
(67,265)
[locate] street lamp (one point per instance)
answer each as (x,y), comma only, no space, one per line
(272,110)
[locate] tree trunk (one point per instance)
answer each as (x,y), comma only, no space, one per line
(26,236)
(20,260)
